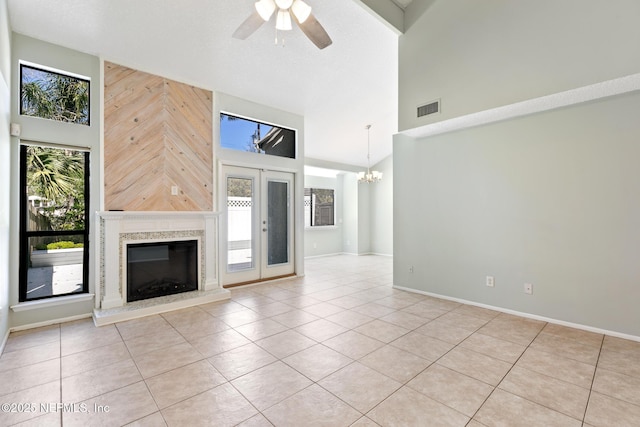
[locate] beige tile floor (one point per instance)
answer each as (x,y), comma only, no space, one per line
(338,347)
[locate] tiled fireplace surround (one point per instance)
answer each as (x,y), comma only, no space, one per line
(119,228)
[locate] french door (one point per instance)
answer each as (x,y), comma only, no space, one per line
(257,225)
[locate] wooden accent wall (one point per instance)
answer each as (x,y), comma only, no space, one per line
(158,133)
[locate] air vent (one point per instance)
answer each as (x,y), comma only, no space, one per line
(430,108)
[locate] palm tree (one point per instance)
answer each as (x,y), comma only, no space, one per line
(53,173)
(57,175)
(54,96)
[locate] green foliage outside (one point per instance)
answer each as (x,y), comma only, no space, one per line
(54,175)
(57,175)
(323,196)
(59,245)
(54,96)
(239,187)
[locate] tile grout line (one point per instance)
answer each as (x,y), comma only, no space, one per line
(593,379)
(144,381)
(385,344)
(320,343)
(507,373)
(443,355)
(409,380)
(558,379)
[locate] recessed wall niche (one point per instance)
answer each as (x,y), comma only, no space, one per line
(157,139)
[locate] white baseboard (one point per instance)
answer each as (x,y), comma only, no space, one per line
(323,255)
(525,315)
(50,322)
(345,253)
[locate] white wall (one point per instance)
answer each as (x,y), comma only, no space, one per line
(350,213)
(549,199)
(326,240)
(381,209)
(48,131)
(364,219)
(475,55)
(356,236)
(5,168)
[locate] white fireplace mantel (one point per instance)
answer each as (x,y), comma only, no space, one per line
(118,228)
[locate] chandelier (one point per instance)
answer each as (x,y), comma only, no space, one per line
(369,176)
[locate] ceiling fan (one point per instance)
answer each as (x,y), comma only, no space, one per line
(287,9)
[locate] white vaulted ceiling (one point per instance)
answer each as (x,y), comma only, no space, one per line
(339,89)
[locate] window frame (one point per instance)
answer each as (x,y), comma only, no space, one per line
(43,68)
(310,225)
(258,122)
(25,234)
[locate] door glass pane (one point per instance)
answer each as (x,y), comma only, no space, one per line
(278,221)
(55,266)
(239,224)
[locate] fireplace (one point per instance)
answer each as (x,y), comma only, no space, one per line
(161,268)
(186,240)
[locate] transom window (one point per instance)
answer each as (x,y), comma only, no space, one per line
(53,95)
(251,136)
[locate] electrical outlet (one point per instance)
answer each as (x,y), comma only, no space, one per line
(411,269)
(491,281)
(528,288)
(315,245)
(174,190)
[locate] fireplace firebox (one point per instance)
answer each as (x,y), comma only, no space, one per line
(161,268)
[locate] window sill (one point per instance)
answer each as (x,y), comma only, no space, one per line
(321,227)
(51,302)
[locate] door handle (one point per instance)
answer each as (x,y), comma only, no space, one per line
(264,229)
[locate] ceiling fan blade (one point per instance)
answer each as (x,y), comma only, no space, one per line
(249,26)
(314,31)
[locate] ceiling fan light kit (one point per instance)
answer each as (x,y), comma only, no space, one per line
(283,21)
(284,4)
(265,8)
(301,12)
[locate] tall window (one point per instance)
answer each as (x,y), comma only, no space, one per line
(319,207)
(54,229)
(53,95)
